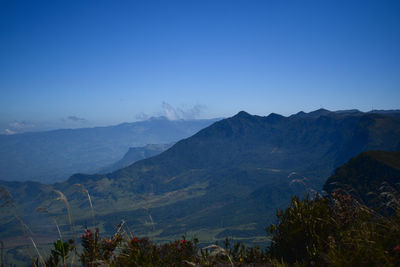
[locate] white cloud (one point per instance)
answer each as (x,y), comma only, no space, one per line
(170,111)
(9,132)
(142,117)
(76,119)
(18,127)
(21,125)
(179,113)
(173,113)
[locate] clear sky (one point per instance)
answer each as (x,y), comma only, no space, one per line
(83,63)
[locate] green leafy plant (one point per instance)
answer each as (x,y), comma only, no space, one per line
(60,251)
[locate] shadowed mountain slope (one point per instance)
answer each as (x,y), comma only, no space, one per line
(372,177)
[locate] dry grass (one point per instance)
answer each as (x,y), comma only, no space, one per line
(83,189)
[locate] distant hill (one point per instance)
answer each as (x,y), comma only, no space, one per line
(134,154)
(55,155)
(372,177)
(228,178)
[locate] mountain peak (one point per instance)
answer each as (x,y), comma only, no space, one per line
(347,111)
(274,117)
(320,112)
(243,114)
(313,114)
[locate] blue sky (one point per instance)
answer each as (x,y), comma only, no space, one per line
(85,63)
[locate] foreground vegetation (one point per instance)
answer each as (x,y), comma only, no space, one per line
(335,231)
(324,231)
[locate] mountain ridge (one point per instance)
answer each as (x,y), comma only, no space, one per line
(230,176)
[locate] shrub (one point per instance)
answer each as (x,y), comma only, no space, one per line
(326,231)
(334,231)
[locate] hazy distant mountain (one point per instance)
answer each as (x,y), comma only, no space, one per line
(55,155)
(229,178)
(134,154)
(372,177)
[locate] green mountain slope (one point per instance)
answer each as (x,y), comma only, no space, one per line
(228,178)
(372,177)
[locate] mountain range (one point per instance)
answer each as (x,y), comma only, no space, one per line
(228,179)
(54,156)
